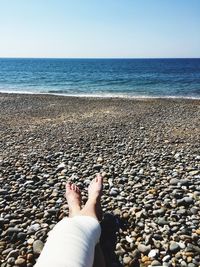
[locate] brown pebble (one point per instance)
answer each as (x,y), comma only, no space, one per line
(198,231)
(29,257)
(145,259)
(20,261)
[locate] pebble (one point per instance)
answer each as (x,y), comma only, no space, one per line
(30,257)
(33,228)
(166,258)
(126,260)
(11,260)
(20,262)
(13,254)
(153,253)
(195,172)
(3,191)
(144,249)
(174,247)
(156,263)
(114,192)
(61,166)
(129,240)
(30,241)
(37,246)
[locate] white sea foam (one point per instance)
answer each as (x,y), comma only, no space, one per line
(103,95)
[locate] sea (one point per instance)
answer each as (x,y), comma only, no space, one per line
(135,78)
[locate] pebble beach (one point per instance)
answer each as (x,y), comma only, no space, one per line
(147,150)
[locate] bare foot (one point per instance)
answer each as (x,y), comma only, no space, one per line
(94,197)
(95,188)
(73,196)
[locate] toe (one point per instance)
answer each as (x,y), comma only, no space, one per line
(73,187)
(68,185)
(93,181)
(77,189)
(99,178)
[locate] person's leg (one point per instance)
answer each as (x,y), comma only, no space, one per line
(72,241)
(93,205)
(93,208)
(73,197)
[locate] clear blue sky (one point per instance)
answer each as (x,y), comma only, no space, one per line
(100,28)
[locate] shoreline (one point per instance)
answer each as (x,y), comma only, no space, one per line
(101,96)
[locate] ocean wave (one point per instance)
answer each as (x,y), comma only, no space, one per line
(105,95)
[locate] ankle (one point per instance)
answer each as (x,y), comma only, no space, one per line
(93,200)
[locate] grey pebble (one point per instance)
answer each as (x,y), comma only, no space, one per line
(37,247)
(174,247)
(144,249)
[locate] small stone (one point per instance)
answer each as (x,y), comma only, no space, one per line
(183,264)
(2,221)
(144,249)
(174,181)
(166,258)
(194,211)
(21,236)
(198,231)
(11,260)
(114,192)
(97,167)
(126,260)
(33,228)
(60,167)
(30,241)
(37,247)
(174,247)
(12,230)
(99,159)
(104,174)
(13,254)
(30,257)
(153,253)
(110,182)
(159,212)
(2,245)
(188,200)
(177,155)
(20,262)
(193,173)
(182,245)
(141,171)
(52,211)
(7,251)
(156,263)
(162,221)
(145,259)
(125,215)
(129,240)
(135,254)
(3,191)
(189,259)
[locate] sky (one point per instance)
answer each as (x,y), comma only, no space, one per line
(100,28)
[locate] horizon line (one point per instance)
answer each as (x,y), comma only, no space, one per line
(99,57)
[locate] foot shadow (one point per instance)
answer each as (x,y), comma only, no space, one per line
(110,227)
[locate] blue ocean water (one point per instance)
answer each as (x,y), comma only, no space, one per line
(102,77)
